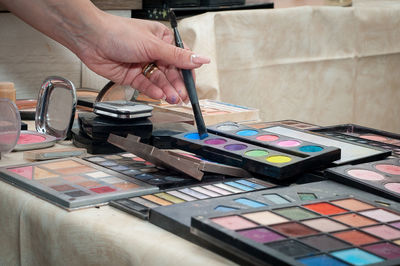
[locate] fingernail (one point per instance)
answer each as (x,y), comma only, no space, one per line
(187,101)
(173,99)
(199,59)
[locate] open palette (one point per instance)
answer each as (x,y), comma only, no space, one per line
(272,155)
(350,152)
(142,205)
(288,122)
(364,135)
(73,183)
(131,165)
(339,231)
(380,177)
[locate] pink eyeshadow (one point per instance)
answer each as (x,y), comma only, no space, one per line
(289,143)
(267,138)
(233,222)
(388,168)
(26,171)
(30,138)
(365,174)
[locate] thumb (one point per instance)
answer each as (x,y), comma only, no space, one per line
(179,57)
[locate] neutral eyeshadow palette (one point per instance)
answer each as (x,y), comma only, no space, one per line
(338,231)
(176,217)
(364,135)
(141,206)
(73,183)
(380,177)
(350,152)
(289,122)
(131,165)
(270,155)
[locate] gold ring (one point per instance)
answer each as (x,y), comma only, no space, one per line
(148,69)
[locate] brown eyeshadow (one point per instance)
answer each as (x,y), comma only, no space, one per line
(356,237)
(293,229)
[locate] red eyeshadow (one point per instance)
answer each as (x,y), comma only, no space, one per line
(325,208)
(104,189)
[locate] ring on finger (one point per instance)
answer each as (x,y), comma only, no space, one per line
(149,69)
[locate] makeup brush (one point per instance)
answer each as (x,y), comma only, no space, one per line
(189,82)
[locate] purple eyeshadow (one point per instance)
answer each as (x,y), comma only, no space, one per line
(235,147)
(215,141)
(260,235)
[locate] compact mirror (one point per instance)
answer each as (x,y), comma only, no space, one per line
(55,109)
(10,125)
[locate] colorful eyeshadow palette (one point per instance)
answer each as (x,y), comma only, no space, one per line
(340,231)
(291,123)
(381,177)
(140,206)
(138,168)
(350,152)
(282,158)
(364,135)
(73,183)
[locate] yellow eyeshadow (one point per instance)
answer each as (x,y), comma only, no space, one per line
(169,197)
(279,159)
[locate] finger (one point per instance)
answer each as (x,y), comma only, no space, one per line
(160,79)
(179,57)
(145,86)
(174,76)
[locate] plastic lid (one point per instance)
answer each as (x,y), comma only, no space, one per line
(10,125)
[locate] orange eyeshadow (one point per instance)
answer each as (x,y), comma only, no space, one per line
(125,185)
(325,208)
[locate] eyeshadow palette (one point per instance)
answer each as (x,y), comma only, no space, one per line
(73,183)
(291,123)
(281,158)
(338,231)
(138,168)
(380,177)
(364,135)
(350,152)
(213,111)
(140,206)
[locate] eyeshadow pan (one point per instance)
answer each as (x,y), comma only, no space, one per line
(293,229)
(206,192)
(193,193)
(279,159)
(112,180)
(355,237)
(267,138)
(353,204)
(250,184)
(388,168)
(63,187)
(354,220)
(321,260)
(75,170)
(324,225)
(229,188)
(265,217)
(222,208)
(98,174)
(383,231)
(356,256)
(247,132)
(249,202)
(276,198)
(295,213)
(306,196)
(324,208)
(311,148)
(396,224)
(217,141)
(365,174)
(104,189)
(89,183)
(218,190)
(239,186)
(76,194)
(169,197)
(235,147)
(181,195)
(62,164)
(126,185)
(289,143)
(75,178)
(324,242)
(261,235)
(144,202)
(156,200)
(292,248)
(39,173)
(233,222)
(381,215)
(96,159)
(385,250)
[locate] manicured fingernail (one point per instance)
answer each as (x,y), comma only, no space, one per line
(199,59)
(173,99)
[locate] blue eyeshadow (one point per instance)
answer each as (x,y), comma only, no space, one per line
(192,136)
(311,148)
(239,186)
(222,208)
(250,203)
(356,256)
(276,198)
(249,184)
(247,132)
(321,260)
